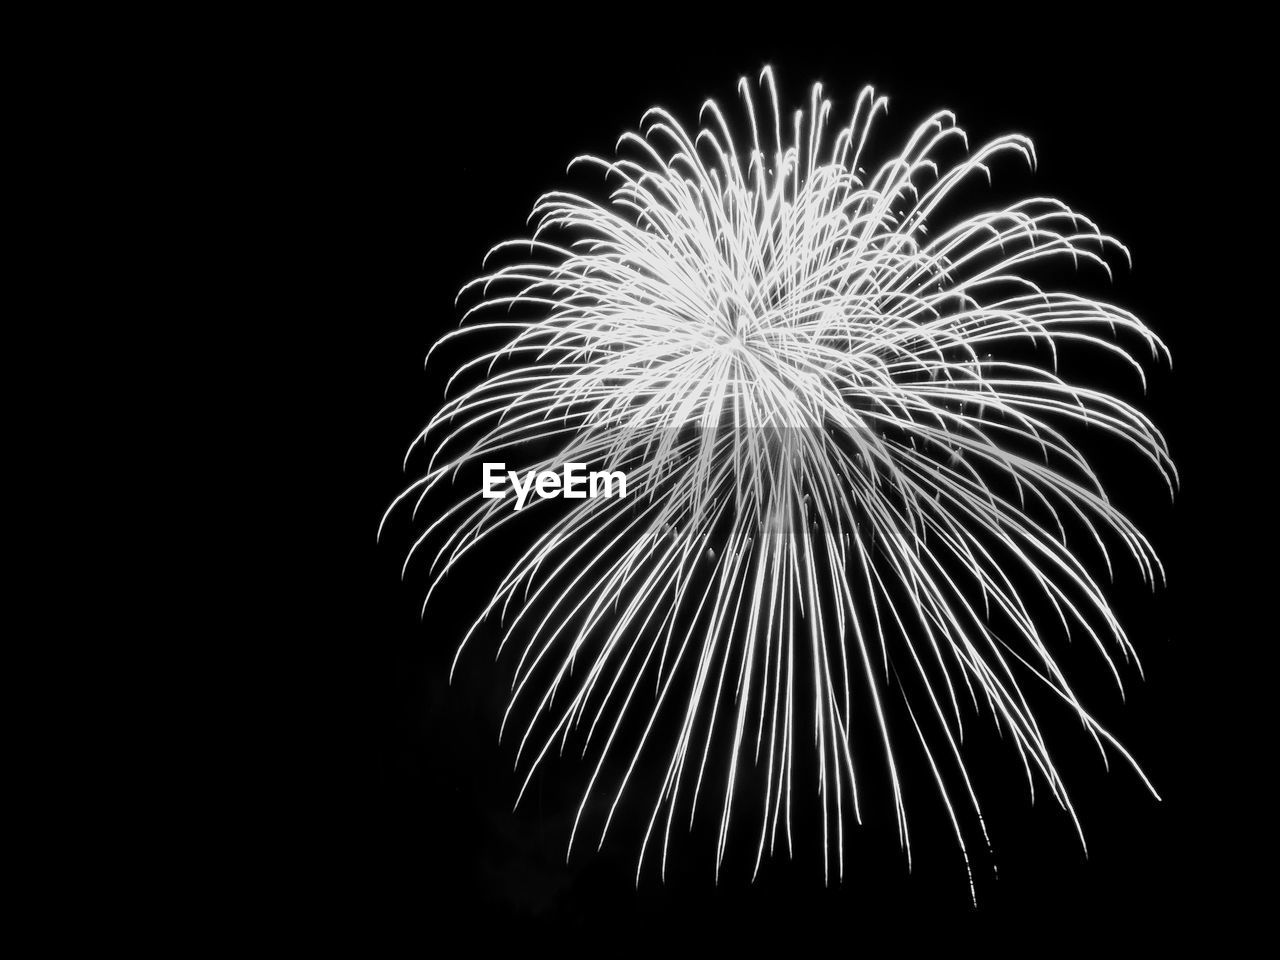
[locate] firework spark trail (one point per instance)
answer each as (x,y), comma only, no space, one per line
(834,484)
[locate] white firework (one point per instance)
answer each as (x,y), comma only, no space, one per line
(850,472)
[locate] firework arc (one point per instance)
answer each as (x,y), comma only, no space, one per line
(850,458)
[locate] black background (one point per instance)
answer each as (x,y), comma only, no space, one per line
(413,150)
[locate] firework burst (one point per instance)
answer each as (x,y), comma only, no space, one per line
(852,478)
